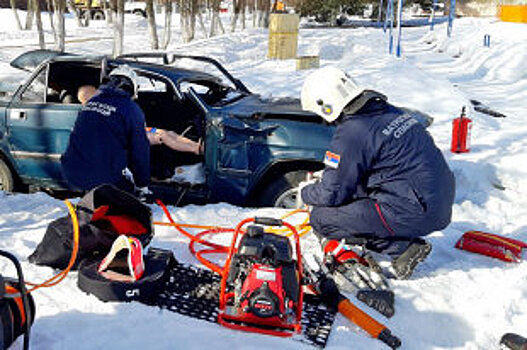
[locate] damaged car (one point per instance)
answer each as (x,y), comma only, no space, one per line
(256,150)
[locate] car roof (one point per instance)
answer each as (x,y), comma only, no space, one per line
(177,74)
(30,60)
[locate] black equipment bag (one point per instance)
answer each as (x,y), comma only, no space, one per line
(123,214)
(157,266)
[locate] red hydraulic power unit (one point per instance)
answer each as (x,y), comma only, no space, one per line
(461,128)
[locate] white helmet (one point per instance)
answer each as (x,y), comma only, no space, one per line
(127,72)
(327,91)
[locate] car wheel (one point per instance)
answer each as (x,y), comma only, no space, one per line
(282,193)
(98,16)
(7,183)
(139,13)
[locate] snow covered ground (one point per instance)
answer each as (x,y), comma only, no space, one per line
(455,300)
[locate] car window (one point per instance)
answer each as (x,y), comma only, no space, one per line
(36,90)
(199,88)
(146,83)
(206,67)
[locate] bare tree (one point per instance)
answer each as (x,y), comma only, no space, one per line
(29,15)
(60,29)
(51,21)
(215,22)
(38,18)
(73,9)
(235,13)
(168,24)
(13,7)
(254,11)
(243,9)
(200,18)
(110,8)
(187,12)
(263,8)
(118,28)
(87,12)
(151,17)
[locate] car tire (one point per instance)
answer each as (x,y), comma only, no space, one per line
(98,16)
(139,13)
(7,182)
(282,193)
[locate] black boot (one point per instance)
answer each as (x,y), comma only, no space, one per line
(416,252)
(514,342)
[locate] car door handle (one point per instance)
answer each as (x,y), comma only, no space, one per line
(18,114)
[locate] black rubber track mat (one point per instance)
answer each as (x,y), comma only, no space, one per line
(194,292)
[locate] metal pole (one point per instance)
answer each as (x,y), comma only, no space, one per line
(433,14)
(379,18)
(390,13)
(399,27)
(386,14)
(451,15)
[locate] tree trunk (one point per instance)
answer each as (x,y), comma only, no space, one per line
(168,24)
(202,23)
(243,9)
(259,12)
(38,17)
(266,10)
(263,8)
(253,12)
(60,29)
(118,28)
(188,9)
(87,12)
(151,17)
(13,7)
(235,14)
(73,9)
(216,20)
(109,10)
(51,21)
(29,15)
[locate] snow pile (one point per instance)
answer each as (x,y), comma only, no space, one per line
(455,300)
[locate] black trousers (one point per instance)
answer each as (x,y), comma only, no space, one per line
(359,223)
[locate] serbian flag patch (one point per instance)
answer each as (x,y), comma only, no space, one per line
(331,159)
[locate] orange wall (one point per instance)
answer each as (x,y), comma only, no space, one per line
(513,13)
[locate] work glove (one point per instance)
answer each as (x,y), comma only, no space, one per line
(308,181)
(145,195)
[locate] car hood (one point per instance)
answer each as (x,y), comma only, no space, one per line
(256,106)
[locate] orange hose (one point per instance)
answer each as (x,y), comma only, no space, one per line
(302,230)
(61,275)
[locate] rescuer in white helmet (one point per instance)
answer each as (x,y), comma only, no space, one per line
(385,183)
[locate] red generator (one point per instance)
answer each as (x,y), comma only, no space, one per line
(461,129)
(261,287)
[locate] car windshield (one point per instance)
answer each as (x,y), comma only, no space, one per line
(213,93)
(206,67)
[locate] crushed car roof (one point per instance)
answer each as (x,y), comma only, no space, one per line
(30,60)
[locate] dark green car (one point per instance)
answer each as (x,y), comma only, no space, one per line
(256,150)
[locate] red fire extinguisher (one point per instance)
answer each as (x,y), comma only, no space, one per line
(461,128)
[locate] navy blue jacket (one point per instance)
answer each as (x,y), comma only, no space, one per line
(383,153)
(108,136)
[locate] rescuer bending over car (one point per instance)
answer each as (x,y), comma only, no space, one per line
(108,137)
(385,183)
